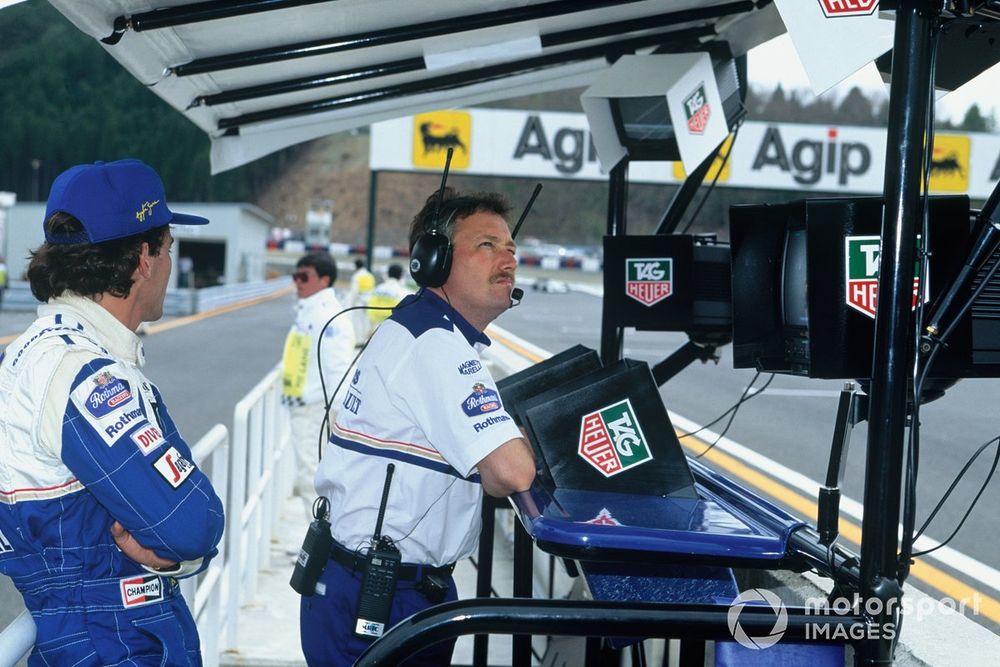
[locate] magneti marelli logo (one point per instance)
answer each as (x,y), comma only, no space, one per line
(649,280)
(611,439)
(757,598)
(861,259)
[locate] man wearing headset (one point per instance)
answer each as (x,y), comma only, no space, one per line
(421,399)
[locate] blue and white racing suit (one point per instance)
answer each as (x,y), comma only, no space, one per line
(85,440)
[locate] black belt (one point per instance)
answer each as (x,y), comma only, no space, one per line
(356,561)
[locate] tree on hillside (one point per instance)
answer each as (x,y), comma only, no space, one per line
(64,101)
(975,121)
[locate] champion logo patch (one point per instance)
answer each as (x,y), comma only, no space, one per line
(173,467)
(483,399)
(139,591)
(109,394)
(147,439)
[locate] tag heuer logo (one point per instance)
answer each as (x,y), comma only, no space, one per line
(838,8)
(697,110)
(649,280)
(611,439)
(861,257)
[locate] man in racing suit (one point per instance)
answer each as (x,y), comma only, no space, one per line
(422,399)
(304,359)
(101,505)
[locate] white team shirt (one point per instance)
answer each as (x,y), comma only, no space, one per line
(420,398)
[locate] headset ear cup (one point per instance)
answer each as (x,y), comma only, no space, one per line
(430,259)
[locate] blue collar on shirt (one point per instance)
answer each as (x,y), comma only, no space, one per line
(425,310)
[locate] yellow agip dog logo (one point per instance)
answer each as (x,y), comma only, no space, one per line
(950,163)
(435,132)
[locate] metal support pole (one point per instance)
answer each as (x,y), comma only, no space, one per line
(523,566)
(372,209)
(484,576)
(911,69)
(611,335)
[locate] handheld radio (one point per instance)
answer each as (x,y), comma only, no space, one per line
(315,550)
(379,583)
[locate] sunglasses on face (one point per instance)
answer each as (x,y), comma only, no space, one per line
(300,277)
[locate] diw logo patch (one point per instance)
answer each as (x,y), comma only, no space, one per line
(838,8)
(611,439)
(139,591)
(147,438)
(483,399)
(435,132)
(649,280)
(697,110)
(861,258)
(173,467)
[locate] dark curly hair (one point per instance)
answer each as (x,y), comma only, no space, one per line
(463,206)
(85,268)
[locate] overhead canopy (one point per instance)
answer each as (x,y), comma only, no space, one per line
(259,75)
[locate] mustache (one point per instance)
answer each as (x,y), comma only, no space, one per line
(508,275)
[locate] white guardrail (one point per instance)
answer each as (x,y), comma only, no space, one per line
(252,472)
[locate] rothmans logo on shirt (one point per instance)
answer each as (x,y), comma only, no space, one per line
(110,393)
(482,400)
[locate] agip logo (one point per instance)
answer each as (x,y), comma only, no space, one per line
(649,280)
(697,110)
(611,439)
(838,8)
(435,132)
(950,163)
(861,256)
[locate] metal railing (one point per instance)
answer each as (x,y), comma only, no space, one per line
(253,473)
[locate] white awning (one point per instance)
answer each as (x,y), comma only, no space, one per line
(259,75)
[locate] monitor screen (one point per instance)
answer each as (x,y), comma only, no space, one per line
(794,282)
(645,118)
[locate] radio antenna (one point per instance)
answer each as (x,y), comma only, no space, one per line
(444,180)
(524,213)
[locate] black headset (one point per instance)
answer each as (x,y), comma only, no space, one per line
(430,257)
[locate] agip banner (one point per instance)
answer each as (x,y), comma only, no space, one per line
(780,156)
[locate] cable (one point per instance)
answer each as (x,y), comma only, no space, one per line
(715,179)
(324,429)
(958,478)
(919,370)
(720,417)
(746,396)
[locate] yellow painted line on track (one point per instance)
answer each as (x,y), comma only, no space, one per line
(221,310)
(530,356)
(188,319)
(921,570)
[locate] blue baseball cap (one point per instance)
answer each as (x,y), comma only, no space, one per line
(112,200)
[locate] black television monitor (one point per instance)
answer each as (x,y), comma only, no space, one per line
(669,282)
(804,280)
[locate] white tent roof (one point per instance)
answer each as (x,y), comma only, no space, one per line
(259,75)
